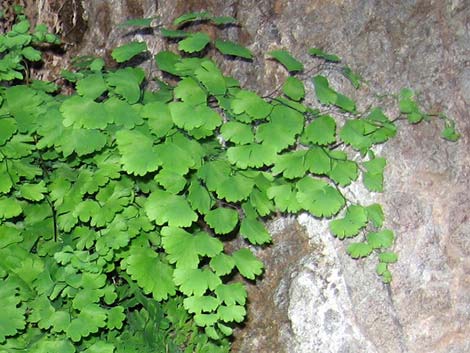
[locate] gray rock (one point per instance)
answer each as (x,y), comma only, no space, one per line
(313,297)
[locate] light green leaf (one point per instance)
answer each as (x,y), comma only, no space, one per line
(352,76)
(151,274)
(13,317)
(318,197)
(138,155)
(187,116)
(231,294)
(100,347)
(321,131)
(170,180)
(222,220)
(358,250)
(211,77)
(166,61)
(191,17)
(238,133)
(164,207)
(9,208)
(254,231)
(123,113)
(291,164)
(185,249)
(449,132)
(195,42)
(222,264)
(33,192)
(126,83)
(382,239)
(158,118)
(199,198)
(249,102)
(189,91)
(282,129)
(223,20)
(375,215)
(388,257)
(409,106)
(323,55)
(84,112)
(204,320)
(294,88)
(89,320)
(169,33)
(199,304)
(234,188)
(247,264)
(127,51)
(251,155)
(349,226)
(195,281)
(289,62)
(73,140)
(91,86)
(7,129)
(31,54)
(323,91)
(231,313)
(373,178)
(227,47)
(284,197)
(343,172)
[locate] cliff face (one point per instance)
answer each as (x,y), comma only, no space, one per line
(313,298)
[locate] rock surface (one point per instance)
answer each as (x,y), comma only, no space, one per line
(313,297)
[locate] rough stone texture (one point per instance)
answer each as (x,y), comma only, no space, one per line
(313,298)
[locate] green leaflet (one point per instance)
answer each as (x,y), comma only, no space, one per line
(137,158)
(222,220)
(382,239)
(227,47)
(211,77)
(191,16)
(250,103)
(294,88)
(238,133)
(127,51)
(126,83)
(92,86)
(409,107)
(195,281)
(247,263)
(349,226)
(140,265)
(318,197)
(251,155)
(323,55)
(185,249)
(282,129)
(321,131)
(254,231)
(289,62)
(195,42)
(373,177)
(166,208)
(358,250)
(13,318)
(326,95)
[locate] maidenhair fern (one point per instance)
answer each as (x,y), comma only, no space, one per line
(116,202)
